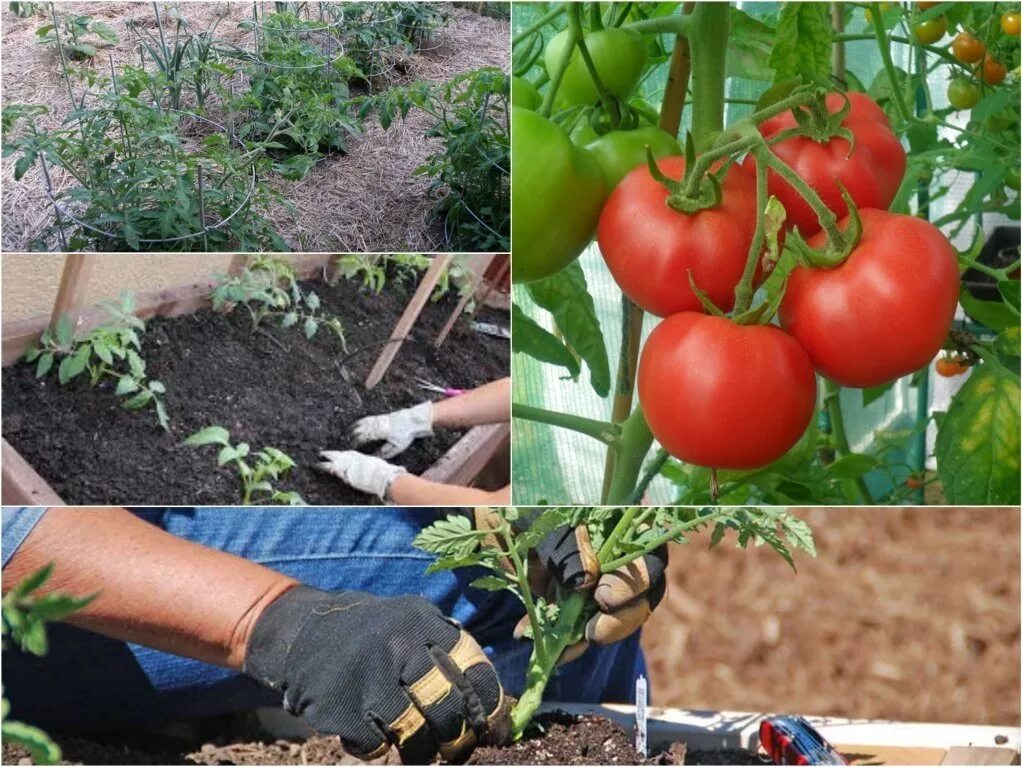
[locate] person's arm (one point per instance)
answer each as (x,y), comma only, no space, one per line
(153,588)
(410,490)
(489,403)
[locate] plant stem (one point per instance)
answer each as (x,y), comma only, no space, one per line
(678,25)
(633,444)
(837,424)
(606,99)
(606,433)
(539,23)
(560,67)
(744,290)
(672,533)
(708,36)
(651,471)
(625,522)
(885,55)
(522,576)
(828,221)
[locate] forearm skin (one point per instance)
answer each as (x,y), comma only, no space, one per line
(153,588)
(489,403)
(409,490)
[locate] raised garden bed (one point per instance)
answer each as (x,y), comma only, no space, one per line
(269,387)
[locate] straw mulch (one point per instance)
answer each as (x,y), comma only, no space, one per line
(906,613)
(366,200)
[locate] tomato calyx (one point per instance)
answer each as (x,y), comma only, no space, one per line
(690,194)
(819,125)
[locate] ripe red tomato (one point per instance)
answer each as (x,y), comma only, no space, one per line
(722,395)
(967,48)
(871,175)
(649,247)
(885,311)
(994,71)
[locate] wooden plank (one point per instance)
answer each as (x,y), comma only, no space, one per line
(469,456)
(411,314)
(19,335)
(980,755)
(469,295)
(20,485)
(870,755)
(490,285)
(74,287)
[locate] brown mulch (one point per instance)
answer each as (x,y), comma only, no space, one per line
(907,614)
(366,200)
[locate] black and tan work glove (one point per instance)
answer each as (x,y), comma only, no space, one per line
(380,672)
(626,597)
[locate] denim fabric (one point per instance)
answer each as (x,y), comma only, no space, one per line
(17,523)
(89,682)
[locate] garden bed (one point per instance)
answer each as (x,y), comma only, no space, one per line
(363,199)
(269,387)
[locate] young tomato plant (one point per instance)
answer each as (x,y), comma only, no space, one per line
(404,269)
(256,471)
(80,34)
(25,615)
(109,352)
(471,177)
(619,536)
(268,287)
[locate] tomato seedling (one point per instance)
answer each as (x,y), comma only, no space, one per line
(256,471)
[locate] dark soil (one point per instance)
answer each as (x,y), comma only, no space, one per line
(558,739)
(270,387)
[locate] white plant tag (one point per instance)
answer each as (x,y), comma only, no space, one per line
(640,715)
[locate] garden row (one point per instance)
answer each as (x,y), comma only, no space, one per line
(180,151)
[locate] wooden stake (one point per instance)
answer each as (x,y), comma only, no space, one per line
(74,286)
(469,294)
(411,314)
(490,285)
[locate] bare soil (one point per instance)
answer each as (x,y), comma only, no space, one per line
(269,387)
(364,201)
(909,614)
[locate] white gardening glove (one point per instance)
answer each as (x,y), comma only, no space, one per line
(363,472)
(398,429)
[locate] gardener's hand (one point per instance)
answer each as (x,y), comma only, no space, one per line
(397,430)
(626,597)
(379,672)
(363,472)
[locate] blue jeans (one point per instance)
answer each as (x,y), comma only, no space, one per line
(88,682)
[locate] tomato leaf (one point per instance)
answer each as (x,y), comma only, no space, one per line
(994,314)
(749,47)
(566,296)
(978,440)
(852,466)
(533,339)
(803,43)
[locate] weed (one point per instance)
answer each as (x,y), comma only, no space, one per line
(110,351)
(268,287)
(78,29)
(256,474)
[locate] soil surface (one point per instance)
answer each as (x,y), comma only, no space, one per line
(269,387)
(909,614)
(557,738)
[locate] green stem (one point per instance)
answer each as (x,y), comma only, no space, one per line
(560,67)
(619,530)
(607,433)
(632,445)
(828,221)
(885,55)
(651,471)
(837,426)
(606,99)
(539,23)
(671,534)
(708,39)
(673,25)
(522,576)
(745,289)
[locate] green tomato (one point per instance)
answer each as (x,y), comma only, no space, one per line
(619,56)
(620,152)
(963,93)
(524,94)
(555,199)
(583,134)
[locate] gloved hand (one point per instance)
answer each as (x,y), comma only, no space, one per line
(626,597)
(398,429)
(379,672)
(363,472)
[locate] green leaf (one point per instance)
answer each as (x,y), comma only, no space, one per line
(1010,292)
(139,401)
(289,319)
(802,47)
(211,435)
(873,393)
(749,47)
(156,387)
(852,466)
(104,30)
(65,331)
(85,49)
(978,440)
(311,326)
(43,750)
(566,296)
(453,537)
(33,581)
(71,367)
(44,365)
(126,385)
(226,455)
(161,415)
(536,341)
(993,314)
(490,583)
(102,350)
(136,364)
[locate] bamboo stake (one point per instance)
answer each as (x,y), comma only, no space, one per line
(407,320)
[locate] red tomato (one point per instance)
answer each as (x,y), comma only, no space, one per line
(722,395)
(650,248)
(885,311)
(871,175)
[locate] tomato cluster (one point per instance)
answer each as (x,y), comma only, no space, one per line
(978,64)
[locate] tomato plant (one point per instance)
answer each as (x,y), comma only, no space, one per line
(827,204)
(503,542)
